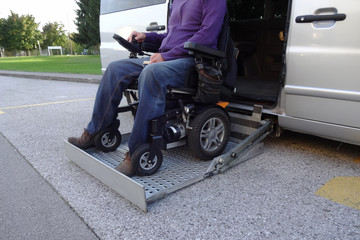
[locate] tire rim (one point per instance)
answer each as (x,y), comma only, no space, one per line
(212,134)
(145,163)
(107,142)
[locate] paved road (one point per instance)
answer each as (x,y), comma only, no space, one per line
(277,195)
(29,207)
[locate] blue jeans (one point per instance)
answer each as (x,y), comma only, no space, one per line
(153,81)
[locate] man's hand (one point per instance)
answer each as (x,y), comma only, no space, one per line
(156,58)
(139,36)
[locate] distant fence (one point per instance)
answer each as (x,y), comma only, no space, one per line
(43,52)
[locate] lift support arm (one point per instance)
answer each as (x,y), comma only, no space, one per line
(239,153)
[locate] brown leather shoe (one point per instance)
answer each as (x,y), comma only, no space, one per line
(125,167)
(85,141)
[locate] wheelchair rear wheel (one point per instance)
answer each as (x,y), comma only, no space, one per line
(210,133)
(141,163)
(108,140)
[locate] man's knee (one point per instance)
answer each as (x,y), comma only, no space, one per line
(148,74)
(150,69)
(115,65)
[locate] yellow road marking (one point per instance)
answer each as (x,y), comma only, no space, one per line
(357,160)
(344,190)
(44,104)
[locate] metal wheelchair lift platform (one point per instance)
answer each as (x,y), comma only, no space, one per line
(179,168)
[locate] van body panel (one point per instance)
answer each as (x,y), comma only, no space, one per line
(325,110)
(123,23)
(325,130)
(323,67)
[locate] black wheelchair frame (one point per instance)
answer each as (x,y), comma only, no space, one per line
(205,127)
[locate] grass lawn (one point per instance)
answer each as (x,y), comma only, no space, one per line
(84,64)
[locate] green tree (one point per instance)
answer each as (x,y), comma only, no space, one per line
(2,22)
(19,32)
(87,22)
(53,35)
(72,47)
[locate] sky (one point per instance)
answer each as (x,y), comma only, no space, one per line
(44,11)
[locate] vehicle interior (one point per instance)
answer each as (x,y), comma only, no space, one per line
(258,30)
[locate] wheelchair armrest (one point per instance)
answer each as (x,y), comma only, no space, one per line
(202,50)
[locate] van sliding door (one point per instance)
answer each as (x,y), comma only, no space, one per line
(123,17)
(323,62)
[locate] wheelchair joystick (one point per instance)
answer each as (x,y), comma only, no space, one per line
(133,40)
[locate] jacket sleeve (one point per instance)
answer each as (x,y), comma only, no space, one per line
(213,17)
(153,37)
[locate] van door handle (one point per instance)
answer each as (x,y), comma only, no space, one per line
(316,18)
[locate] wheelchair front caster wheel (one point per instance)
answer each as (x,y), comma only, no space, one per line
(142,165)
(210,133)
(108,140)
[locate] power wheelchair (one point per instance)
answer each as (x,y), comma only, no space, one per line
(203,125)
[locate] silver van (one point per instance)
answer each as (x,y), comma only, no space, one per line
(299,59)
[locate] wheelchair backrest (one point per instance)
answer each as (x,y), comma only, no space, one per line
(229,65)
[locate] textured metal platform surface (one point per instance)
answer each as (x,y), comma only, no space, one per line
(179,169)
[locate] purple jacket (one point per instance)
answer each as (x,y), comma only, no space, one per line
(198,21)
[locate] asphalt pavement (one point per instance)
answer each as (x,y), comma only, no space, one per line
(30,208)
(43,195)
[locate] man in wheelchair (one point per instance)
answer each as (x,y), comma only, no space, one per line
(198,21)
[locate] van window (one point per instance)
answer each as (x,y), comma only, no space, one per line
(110,6)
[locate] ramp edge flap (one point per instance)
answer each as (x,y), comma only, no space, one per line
(125,186)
